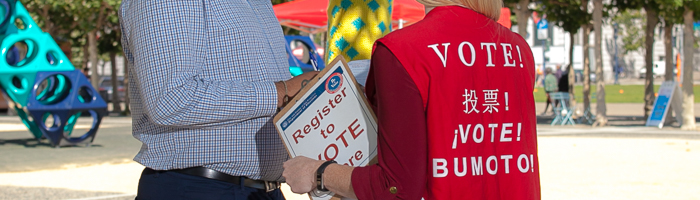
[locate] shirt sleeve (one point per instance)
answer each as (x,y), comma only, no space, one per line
(164,42)
(402,137)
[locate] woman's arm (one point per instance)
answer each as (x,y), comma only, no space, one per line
(402,139)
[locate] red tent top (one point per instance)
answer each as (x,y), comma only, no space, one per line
(410,11)
(310,15)
(504,19)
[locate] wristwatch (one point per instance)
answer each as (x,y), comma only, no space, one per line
(319,175)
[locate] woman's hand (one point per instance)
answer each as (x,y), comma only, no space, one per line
(300,173)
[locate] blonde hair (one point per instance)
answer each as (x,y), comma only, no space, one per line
(489,8)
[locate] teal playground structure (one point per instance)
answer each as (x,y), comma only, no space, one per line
(43,83)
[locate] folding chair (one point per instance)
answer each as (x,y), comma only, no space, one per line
(562,111)
(588,116)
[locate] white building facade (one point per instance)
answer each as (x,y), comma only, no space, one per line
(559,44)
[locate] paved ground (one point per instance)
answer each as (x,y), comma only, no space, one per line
(623,161)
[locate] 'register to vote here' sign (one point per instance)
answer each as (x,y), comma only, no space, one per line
(331,120)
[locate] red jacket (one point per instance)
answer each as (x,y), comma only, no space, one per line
(475,79)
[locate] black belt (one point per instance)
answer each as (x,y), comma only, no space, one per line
(268,186)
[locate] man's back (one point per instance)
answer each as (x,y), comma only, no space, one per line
(550,83)
(563,85)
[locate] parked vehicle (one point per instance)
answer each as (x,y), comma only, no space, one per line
(106,88)
(659,70)
(579,76)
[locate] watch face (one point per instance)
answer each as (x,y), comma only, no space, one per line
(322,194)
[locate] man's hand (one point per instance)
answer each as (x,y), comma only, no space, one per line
(294,85)
(300,173)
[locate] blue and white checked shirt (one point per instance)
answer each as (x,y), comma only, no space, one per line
(202,76)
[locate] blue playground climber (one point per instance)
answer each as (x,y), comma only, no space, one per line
(311,61)
(12,55)
(43,83)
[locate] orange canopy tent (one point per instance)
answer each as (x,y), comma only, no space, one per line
(311,15)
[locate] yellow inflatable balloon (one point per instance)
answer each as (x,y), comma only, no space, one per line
(354,25)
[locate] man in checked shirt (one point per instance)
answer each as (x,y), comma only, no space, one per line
(206,78)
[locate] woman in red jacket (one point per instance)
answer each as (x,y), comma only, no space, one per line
(455,108)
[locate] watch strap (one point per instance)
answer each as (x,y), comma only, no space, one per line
(319,175)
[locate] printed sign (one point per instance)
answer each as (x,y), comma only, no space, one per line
(666,96)
(360,70)
(330,121)
(542,26)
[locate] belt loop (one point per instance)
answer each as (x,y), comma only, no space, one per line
(268,187)
(241,183)
(271,186)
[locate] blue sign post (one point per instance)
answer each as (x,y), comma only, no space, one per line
(542,26)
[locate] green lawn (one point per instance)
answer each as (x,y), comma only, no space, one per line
(613,93)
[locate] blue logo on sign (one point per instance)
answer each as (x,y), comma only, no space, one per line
(334,82)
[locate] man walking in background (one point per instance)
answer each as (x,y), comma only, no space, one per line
(550,85)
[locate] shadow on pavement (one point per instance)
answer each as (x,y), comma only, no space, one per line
(33,143)
(26,142)
(36,193)
(618,121)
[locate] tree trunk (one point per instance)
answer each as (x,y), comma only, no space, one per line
(92,50)
(92,46)
(102,66)
(601,109)
(522,13)
(127,98)
(652,20)
(48,26)
(570,72)
(586,68)
(116,103)
(668,48)
(86,57)
(585,28)
(687,87)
